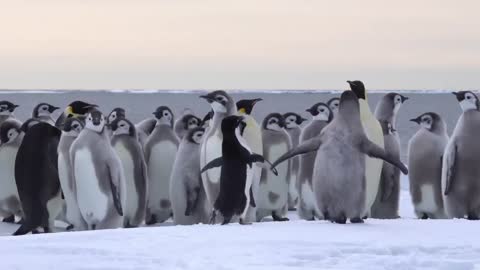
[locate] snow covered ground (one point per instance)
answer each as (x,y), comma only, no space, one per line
(405,243)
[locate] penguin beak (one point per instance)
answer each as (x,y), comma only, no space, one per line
(416,120)
(303,119)
(53,108)
(256,100)
(350,83)
(208,98)
(404,98)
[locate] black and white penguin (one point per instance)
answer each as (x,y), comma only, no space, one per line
(77,109)
(236,161)
(6,110)
(43,113)
(184,123)
(36,176)
(115,114)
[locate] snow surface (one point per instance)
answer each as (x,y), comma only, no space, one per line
(405,243)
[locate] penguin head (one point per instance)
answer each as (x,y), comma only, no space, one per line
(430,121)
(122,126)
(274,121)
(321,111)
(468,100)
(219,100)
(164,116)
(230,123)
(333,104)
(190,121)
(394,101)
(9,131)
(349,105)
(7,107)
(43,109)
(358,88)
(95,121)
(116,113)
(293,120)
(72,127)
(76,109)
(206,119)
(245,106)
(195,135)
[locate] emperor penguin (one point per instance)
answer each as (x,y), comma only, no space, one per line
(425,151)
(70,131)
(43,112)
(11,138)
(76,109)
(460,170)
(160,151)
(115,114)
(333,104)
(6,110)
(36,177)
(388,107)
(293,121)
(252,134)
(222,105)
(374,132)
(186,190)
(98,175)
(129,150)
(235,183)
(273,191)
(185,123)
(339,177)
(322,115)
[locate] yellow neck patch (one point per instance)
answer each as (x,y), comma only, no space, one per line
(242,111)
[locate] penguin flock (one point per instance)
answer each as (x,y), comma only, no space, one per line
(96,171)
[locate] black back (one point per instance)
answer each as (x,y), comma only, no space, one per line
(36,174)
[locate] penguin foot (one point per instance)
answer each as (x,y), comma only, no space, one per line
(9,219)
(340,220)
(472,217)
(242,222)
(278,218)
(69,227)
(424,216)
(35,231)
(226,220)
(365,217)
(356,220)
(152,220)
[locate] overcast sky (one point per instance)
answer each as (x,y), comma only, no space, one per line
(252,44)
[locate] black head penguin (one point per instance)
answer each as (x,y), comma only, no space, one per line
(321,111)
(160,151)
(245,106)
(273,190)
(6,110)
(468,100)
(221,102)
(185,123)
(333,104)
(43,113)
(235,184)
(76,109)
(388,107)
(116,113)
(36,176)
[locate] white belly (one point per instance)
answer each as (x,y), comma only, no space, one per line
(307,196)
(73,212)
(129,172)
(162,157)
(213,151)
(427,204)
(276,184)
(373,166)
(93,203)
(8,186)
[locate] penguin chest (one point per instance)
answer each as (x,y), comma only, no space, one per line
(213,151)
(129,171)
(160,165)
(7,172)
(93,203)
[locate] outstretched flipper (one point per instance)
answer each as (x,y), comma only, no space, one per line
(256,158)
(303,148)
(218,162)
(114,186)
(450,168)
(373,150)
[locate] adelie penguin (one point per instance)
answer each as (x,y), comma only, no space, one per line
(43,113)
(252,133)
(322,115)
(160,151)
(235,179)
(461,159)
(425,151)
(186,190)
(374,132)
(36,176)
(11,138)
(340,190)
(222,105)
(273,191)
(129,150)
(98,175)
(293,122)
(70,131)
(6,110)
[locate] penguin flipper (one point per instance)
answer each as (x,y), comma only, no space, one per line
(303,148)
(218,162)
(372,150)
(115,191)
(252,198)
(256,158)
(450,166)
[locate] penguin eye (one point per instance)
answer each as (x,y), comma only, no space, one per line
(219,98)
(322,110)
